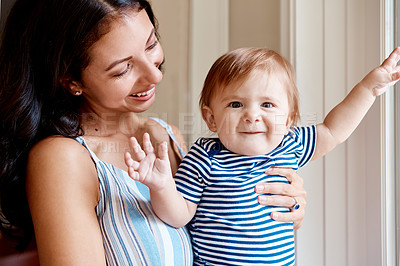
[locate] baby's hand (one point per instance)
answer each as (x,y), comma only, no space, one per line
(145,167)
(384,76)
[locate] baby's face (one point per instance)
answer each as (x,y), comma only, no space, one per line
(251,117)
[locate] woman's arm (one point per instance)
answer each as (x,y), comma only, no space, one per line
(62,189)
(283,196)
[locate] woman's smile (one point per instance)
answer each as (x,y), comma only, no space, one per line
(144,96)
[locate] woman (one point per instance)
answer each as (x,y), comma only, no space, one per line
(75,73)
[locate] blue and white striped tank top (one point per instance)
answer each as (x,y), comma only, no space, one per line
(132,233)
(230,227)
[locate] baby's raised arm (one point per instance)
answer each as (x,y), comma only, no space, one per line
(342,120)
(155,172)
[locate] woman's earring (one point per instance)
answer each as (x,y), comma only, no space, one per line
(77,93)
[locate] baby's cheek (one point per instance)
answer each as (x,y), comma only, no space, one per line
(279,124)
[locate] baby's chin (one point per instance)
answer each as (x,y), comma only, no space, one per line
(252,150)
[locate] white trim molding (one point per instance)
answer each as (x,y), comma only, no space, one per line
(209,39)
(388,153)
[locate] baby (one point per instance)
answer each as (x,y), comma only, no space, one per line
(250,99)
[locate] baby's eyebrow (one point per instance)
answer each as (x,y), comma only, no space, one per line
(231,97)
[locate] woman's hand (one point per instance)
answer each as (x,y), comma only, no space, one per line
(285,195)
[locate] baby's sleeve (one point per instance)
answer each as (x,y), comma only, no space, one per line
(191,177)
(306,139)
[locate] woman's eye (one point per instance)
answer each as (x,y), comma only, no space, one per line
(235,105)
(267,105)
(128,67)
(154,44)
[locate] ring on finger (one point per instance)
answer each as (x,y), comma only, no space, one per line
(296,205)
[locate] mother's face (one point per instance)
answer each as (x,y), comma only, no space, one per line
(124,67)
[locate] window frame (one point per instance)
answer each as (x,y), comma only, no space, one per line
(397,180)
(390,141)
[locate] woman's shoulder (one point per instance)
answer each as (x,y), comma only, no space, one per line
(154,126)
(58,152)
(56,146)
(61,162)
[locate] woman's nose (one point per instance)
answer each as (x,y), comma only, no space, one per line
(150,72)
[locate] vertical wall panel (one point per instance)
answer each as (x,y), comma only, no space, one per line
(373,202)
(364,145)
(309,68)
(209,39)
(333,52)
(356,145)
(172,92)
(254,23)
(335,162)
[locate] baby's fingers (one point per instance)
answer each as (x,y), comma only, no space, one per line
(133,174)
(130,162)
(392,60)
(137,152)
(147,146)
(162,163)
(163,151)
(395,76)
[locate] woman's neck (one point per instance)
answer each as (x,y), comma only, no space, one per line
(107,124)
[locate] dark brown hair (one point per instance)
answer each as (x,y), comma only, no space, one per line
(43,42)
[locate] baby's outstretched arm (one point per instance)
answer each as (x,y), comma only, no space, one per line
(342,120)
(155,172)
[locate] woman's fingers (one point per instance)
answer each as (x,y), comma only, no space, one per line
(284,195)
(295,216)
(281,189)
(274,200)
(290,174)
(295,188)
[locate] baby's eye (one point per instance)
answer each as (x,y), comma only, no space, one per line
(235,105)
(267,105)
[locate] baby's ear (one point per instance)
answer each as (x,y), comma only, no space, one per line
(289,123)
(208,117)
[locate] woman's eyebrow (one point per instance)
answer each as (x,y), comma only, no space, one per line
(113,64)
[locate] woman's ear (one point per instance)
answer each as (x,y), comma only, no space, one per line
(71,85)
(208,117)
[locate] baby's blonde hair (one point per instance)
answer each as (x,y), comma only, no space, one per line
(239,64)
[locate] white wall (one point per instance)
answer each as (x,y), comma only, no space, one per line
(337,43)
(172,94)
